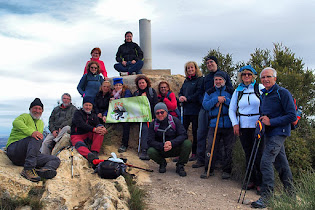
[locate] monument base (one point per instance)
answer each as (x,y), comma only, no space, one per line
(156,71)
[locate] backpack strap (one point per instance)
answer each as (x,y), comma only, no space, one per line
(171,125)
(151,92)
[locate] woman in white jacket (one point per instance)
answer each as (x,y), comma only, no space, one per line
(244,112)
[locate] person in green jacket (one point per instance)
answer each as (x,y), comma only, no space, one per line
(24,143)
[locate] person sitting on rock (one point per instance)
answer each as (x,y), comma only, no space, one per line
(59,123)
(167,137)
(86,127)
(129,56)
(24,143)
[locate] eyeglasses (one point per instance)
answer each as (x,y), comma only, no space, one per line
(92,67)
(118,84)
(264,77)
(246,74)
(161,112)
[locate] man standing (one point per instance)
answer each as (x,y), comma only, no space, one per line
(167,137)
(59,123)
(129,56)
(203,120)
(277,113)
(24,143)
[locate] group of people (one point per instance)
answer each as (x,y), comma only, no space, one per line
(202,100)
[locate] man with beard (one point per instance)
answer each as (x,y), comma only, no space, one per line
(24,143)
(59,123)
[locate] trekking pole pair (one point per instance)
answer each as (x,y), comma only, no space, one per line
(252,159)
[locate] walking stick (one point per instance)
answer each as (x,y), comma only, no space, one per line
(140,137)
(71,162)
(215,135)
(251,163)
(181,113)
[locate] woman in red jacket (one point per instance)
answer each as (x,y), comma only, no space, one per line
(96,53)
(168,97)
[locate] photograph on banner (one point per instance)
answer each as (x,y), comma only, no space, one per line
(132,109)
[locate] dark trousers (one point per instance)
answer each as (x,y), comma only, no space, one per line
(126,132)
(182,151)
(130,67)
(226,136)
(25,152)
(202,132)
(194,120)
(247,137)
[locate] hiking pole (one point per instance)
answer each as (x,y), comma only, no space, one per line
(213,143)
(140,137)
(181,113)
(251,163)
(62,148)
(71,162)
(132,166)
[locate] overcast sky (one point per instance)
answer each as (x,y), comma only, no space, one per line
(44,45)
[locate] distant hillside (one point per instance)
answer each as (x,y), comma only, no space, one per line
(3,141)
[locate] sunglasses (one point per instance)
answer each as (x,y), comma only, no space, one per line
(246,74)
(161,112)
(92,67)
(163,87)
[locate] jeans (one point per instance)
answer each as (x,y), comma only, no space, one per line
(274,154)
(182,151)
(202,132)
(25,152)
(130,67)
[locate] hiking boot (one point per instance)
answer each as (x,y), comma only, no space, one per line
(250,186)
(144,155)
(193,157)
(95,154)
(162,168)
(46,173)
(226,175)
(175,159)
(122,149)
(180,170)
(90,158)
(204,175)
(260,203)
(31,175)
(198,164)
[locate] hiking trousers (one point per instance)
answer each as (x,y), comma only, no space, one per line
(193,119)
(25,152)
(50,138)
(78,142)
(182,151)
(202,131)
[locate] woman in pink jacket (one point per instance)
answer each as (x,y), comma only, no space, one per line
(96,53)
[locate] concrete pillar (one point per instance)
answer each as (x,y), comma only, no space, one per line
(145,42)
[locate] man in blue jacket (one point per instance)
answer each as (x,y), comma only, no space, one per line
(220,94)
(277,111)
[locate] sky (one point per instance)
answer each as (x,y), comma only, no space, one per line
(45,44)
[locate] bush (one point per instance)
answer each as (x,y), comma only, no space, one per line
(137,194)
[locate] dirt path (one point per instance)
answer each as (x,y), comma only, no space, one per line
(170,191)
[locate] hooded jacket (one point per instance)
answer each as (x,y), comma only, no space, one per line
(129,51)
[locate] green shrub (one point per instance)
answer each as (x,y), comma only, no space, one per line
(137,194)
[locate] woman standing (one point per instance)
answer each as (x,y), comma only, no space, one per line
(189,95)
(144,88)
(96,53)
(102,100)
(90,83)
(244,112)
(168,97)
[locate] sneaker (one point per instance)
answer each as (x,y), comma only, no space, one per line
(193,157)
(46,173)
(260,203)
(122,149)
(162,168)
(180,170)
(123,73)
(144,155)
(204,175)
(133,73)
(30,174)
(175,159)
(250,186)
(226,175)
(198,164)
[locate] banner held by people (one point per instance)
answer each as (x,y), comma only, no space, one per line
(133,109)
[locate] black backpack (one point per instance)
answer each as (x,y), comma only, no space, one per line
(110,170)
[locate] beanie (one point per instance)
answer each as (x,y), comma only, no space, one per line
(37,102)
(118,80)
(160,105)
(220,74)
(212,57)
(88,99)
(249,68)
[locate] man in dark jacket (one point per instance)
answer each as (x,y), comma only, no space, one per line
(129,56)
(203,120)
(59,123)
(86,126)
(277,111)
(168,138)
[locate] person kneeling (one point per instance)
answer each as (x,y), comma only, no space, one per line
(168,138)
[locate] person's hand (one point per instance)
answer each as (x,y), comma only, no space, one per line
(265,120)
(101,130)
(144,94)
(111,99)
(55,133)
(99,115)
(167,146)
(236,129)
(37,135)
(124,63)
(182,99)
(133,61)
(221,99)
(104,119)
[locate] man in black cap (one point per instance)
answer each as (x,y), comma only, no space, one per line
(24,143)
(167,137)
(203,120)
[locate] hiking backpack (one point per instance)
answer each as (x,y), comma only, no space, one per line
(240,95)
(110,170)
(171,125)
